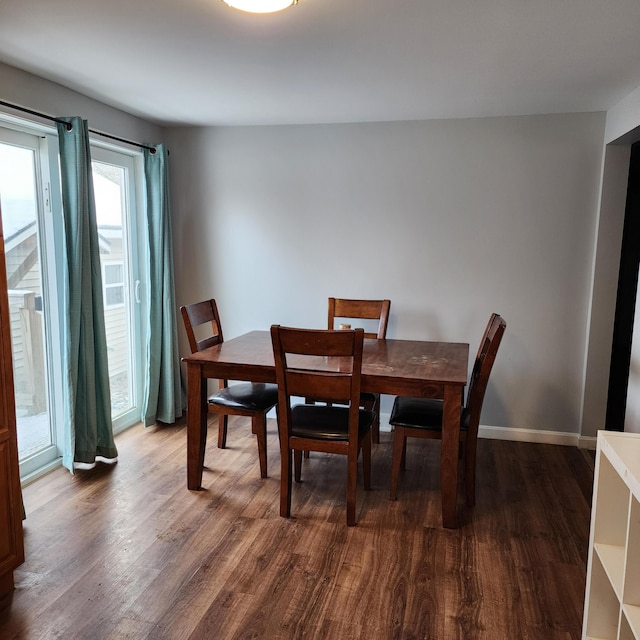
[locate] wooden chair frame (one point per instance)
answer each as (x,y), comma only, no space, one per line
(206,313)
(360,310)
(363,310)
(485,358)
(294,379)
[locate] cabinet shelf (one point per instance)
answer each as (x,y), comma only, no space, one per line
(632,614)
(612,559)
(612,596)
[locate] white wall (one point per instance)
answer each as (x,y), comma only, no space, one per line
(623,119)
(449,219)
(33,92)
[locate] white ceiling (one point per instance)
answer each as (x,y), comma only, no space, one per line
(200,62)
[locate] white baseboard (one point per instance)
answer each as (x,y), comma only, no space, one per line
(587,442)
(521,435)
(539,436)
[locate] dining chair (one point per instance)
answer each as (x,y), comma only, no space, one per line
(326,364)
(422,417)
(253,400)
(341,309)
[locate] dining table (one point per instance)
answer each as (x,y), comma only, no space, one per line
(416,368)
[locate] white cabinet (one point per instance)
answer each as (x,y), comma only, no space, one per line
(612,598)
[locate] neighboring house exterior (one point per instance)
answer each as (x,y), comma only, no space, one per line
(26,305)
(114,296)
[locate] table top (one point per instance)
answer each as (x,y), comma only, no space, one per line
(399,367)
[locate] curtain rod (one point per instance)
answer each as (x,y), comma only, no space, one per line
(68,125)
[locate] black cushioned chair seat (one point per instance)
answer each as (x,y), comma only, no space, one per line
(247,395)
(326,423)
(422,413)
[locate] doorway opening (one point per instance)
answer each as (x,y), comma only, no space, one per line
(621,368)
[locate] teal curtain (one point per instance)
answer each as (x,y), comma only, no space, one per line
(163,394)
(89,432)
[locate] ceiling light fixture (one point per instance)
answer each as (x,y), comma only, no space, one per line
(260,6)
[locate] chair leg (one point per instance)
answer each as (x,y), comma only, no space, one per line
(375,427)
(222,430)
(399,447)
(259,427)
(297,464)
(352,478)
(366,461)
(285,483)
(307,401)
(203,447)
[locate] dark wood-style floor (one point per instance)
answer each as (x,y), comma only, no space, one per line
(129,552)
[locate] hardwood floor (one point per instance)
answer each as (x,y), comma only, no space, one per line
(129,552)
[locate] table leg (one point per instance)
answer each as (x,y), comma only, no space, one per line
(196,424)
(449,455)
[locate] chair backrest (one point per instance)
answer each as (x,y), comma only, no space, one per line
(197,315)
(487,352)
(317,363)
(361,310)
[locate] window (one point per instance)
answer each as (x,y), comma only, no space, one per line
(113,282)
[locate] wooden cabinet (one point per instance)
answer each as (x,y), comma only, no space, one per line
(11,539)
(612,598)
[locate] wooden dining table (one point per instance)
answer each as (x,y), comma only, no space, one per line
(395,367)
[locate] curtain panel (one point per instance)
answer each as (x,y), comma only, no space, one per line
(88,428)
(163,393)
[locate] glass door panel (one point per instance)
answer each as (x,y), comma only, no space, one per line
(19,195)
(111,180)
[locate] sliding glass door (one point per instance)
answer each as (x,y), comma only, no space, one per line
(33,230)
(22,198)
